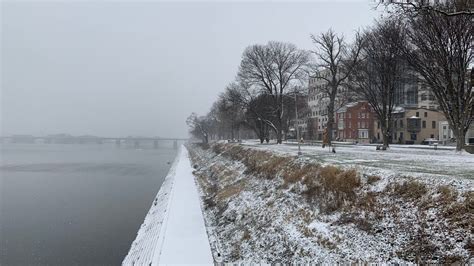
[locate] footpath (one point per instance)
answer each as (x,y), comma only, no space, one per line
(173,231)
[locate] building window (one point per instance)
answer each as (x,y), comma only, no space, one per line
(378,125)
(426,114)
(412,95)
(363,134)
(401,123)
(433,124)
(413,136)
(417,114)
(363,115)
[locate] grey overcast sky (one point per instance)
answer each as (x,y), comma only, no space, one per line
(128,68)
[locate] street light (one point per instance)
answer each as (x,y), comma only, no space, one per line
(297,126)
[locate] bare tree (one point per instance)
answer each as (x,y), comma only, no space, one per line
(441,50)
(296,96)
(229,114)
(381,71)
(257,107)
(444,7)
(273,68)
(336,60)
(199,127)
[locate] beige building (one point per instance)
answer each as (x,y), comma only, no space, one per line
(413,125)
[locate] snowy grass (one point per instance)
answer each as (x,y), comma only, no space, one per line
(265,205)
(413,160)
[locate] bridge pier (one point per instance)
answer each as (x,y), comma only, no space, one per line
(155,144)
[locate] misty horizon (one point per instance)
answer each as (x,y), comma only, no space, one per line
(120,69)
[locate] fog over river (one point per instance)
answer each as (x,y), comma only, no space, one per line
(75,204)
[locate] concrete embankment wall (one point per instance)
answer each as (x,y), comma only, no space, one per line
(173,231)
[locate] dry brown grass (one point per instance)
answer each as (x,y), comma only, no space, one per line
(331,187)
(447,194)
(461,213)
(410,190)
(246,235)
(272,166)
(368,202)
(371,179)
(204,146)
(326,242)
(296,173)
(362,223)
(307,232)
(229,191)
(218,148)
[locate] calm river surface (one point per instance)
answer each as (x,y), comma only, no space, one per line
(75,204)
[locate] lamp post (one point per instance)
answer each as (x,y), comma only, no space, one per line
(297,126)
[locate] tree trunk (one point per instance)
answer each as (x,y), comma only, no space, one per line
(330,121)
(261,132)
(279,137)
(460,139)
(232,130)
(279,129)
(386,138)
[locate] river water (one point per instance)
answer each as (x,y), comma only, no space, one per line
(75,204)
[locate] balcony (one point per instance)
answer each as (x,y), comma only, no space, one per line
(414,124)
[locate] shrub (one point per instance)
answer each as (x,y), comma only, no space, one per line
(372,179)
(229,191)
(270,168)
(218,148)
(296,173)
(332,187)
(204,146)
(412,190)
(461,214)
(447,195)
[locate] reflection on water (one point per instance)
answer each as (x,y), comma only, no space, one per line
(75,204)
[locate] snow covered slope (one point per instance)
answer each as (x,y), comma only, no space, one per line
(173,231)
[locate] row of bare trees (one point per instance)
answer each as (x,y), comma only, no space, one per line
(433,42)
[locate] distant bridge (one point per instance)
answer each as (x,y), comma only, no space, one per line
(67,139)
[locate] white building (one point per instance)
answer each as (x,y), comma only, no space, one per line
(318,102)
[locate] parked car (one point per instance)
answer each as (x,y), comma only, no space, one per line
(430,141)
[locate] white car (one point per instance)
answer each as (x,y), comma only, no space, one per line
(430,141)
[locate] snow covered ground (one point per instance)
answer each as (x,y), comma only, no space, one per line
(173,231)
(259,208)
(413,160)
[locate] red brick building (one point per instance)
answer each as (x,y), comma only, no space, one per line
(355,122)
